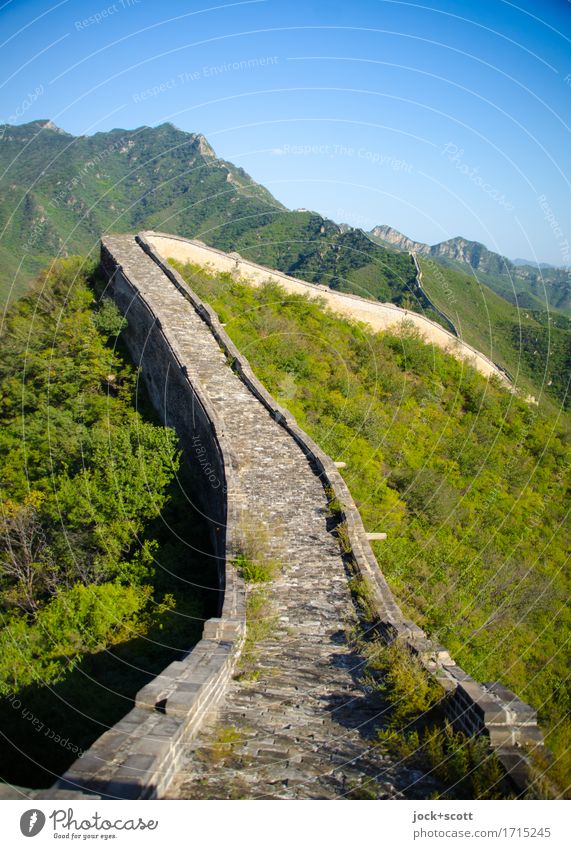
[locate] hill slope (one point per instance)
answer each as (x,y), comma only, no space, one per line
(59,193)
(535,287)
(96,530)
(532,344)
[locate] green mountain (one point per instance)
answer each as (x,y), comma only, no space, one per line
(530,341)
(537,287)
(534,346)
(58,193)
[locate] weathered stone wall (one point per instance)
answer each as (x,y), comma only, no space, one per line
(418,270)
(176,401)
(139,756)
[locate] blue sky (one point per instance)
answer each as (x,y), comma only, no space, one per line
(439,118)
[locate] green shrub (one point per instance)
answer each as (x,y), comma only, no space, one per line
(465,766)
(260,623)
(80,490)
(408,688)
(254,572)
(78,621)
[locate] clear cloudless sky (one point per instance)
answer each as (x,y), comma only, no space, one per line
(439,117)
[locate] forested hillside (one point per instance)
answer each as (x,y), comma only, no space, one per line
(534,346)
(59,193)
(95,532)
(469,482)
(537,287)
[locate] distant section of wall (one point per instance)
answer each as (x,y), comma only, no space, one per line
(433,306)
(378,316)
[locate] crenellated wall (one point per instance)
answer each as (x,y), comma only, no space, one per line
(137,757)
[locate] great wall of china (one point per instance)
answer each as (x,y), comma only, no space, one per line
(377,315)
(304,724)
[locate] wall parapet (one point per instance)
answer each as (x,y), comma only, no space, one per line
(447,319)
(475,708)
(380,316)
(138,756)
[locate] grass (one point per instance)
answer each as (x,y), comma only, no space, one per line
(226,740)
(468,481)
(335,506)
(254,572)
(258,559)
(258,562)
(415,731)
(260,624)
(464,766)
(363,594)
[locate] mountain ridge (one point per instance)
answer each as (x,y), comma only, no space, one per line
(539,287)
(59,193)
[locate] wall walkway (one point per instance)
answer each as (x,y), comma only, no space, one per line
(302,725)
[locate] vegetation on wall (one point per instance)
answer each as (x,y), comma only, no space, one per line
(468,481)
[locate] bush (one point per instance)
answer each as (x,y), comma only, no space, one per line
(409,689)
(479,522)
(254,572)
(77,621)
(79,490)
(466,766)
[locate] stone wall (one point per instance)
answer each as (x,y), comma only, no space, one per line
(138,756)
(378,316)
(443,316)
